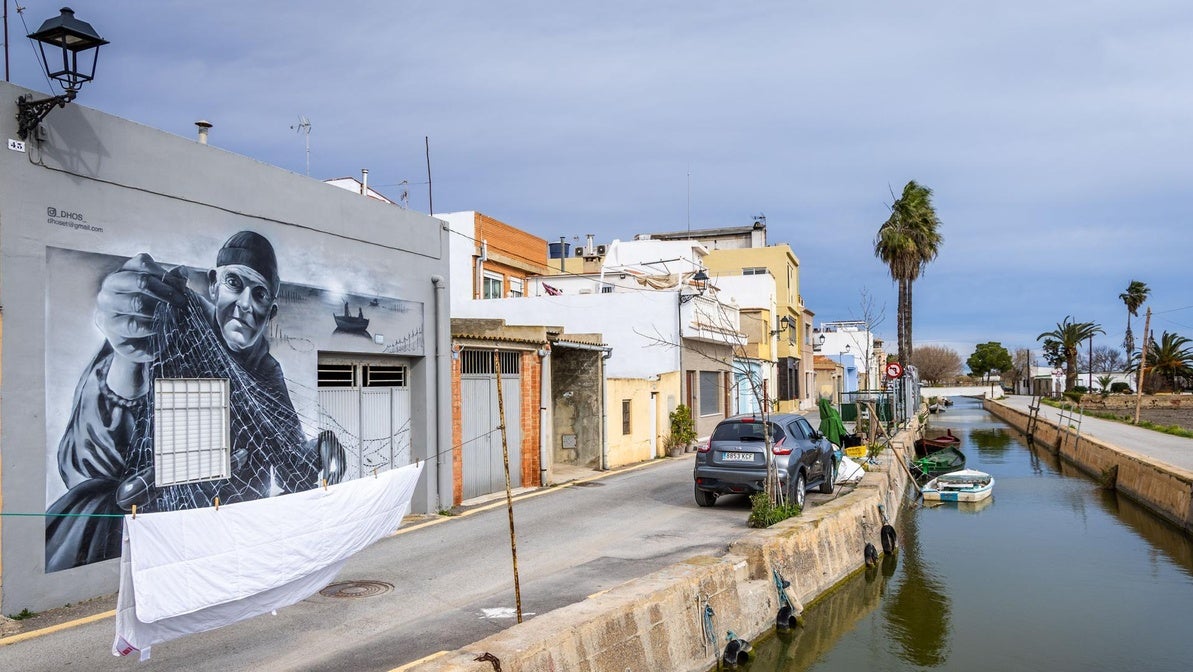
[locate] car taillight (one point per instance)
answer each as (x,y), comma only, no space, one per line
(703,447)
(779,449)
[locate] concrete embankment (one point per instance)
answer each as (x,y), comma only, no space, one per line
(1162,488)
(657,622)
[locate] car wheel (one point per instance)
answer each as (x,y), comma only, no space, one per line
(796,495)
(830,477)
(705,498)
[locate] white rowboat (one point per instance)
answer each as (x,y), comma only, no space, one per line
(967,485)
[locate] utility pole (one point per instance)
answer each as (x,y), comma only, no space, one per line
(1147,325)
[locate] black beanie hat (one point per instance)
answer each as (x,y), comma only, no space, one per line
(251,249)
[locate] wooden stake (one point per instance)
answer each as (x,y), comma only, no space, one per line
(509,497)
(1147,325)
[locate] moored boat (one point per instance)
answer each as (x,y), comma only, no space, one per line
(967,485)
(927,445)
(939,462)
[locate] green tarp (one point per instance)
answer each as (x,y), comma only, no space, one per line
(830,422)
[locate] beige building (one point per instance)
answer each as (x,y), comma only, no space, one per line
(792,356)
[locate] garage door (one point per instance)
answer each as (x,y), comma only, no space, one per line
(367,406)
(483,469)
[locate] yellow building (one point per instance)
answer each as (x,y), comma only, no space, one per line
(794,352)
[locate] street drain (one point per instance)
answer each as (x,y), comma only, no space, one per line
(357,589)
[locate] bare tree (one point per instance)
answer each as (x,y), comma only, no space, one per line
(936,363)
(873,315)
(1022,367)
(1106,359)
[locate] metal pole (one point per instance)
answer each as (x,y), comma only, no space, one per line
(509,498)
(430,200)
(6,41)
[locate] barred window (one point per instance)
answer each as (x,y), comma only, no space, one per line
(191,436)
(337,375)
(481,361)
(374,375)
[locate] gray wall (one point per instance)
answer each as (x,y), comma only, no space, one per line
(120,189)
(577,405)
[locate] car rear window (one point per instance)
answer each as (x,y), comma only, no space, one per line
(744,431)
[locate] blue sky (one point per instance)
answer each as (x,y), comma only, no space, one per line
(1056,136)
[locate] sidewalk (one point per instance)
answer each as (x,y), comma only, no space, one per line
(1174,451)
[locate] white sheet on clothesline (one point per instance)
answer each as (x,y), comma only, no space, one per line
(183,572)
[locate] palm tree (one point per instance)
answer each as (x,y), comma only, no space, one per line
(1171,358)
(1069,335)
(906,242)
(1134,297)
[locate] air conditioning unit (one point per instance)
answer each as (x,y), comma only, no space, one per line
(579,251)
(601,249)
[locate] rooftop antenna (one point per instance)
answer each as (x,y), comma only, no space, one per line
(405,197)
(304,124)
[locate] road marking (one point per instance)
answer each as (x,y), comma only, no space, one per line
(420,661)
(13,639)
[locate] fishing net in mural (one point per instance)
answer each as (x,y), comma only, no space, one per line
(270,454)
(375,437)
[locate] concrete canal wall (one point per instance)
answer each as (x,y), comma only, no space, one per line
(657,622)
(1166,490)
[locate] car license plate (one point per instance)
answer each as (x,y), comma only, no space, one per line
(737,457)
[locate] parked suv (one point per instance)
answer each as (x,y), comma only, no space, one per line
(734,460)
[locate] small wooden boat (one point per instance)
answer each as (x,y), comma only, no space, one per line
(967,485)
(943,461)
(926,446)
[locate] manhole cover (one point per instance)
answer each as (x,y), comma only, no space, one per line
(357,589)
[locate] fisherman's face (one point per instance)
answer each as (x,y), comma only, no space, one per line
(243,305)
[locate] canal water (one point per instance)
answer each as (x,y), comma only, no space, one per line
(1051,573)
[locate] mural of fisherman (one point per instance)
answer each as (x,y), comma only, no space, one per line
(155,326)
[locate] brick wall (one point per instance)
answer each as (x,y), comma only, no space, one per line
(531,383)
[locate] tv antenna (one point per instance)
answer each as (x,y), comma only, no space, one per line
(304,125)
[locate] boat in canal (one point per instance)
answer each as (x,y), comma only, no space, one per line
(927,446)
(967,485)
(941,461)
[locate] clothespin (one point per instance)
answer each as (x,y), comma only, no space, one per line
(324,481)
(217,503)
(134,511)
(374,472)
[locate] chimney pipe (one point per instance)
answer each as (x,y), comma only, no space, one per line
(364,181)
(589,249)
(203,128)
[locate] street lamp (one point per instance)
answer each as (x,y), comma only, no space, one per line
(79,46)
(700,280)
(785,323)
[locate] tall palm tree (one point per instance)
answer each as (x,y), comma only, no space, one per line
(1133,298)
(1170,358)
(906,242)
(1070,335)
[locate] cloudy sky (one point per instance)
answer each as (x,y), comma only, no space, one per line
(1057,137)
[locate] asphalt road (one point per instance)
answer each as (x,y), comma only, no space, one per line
(453,581)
